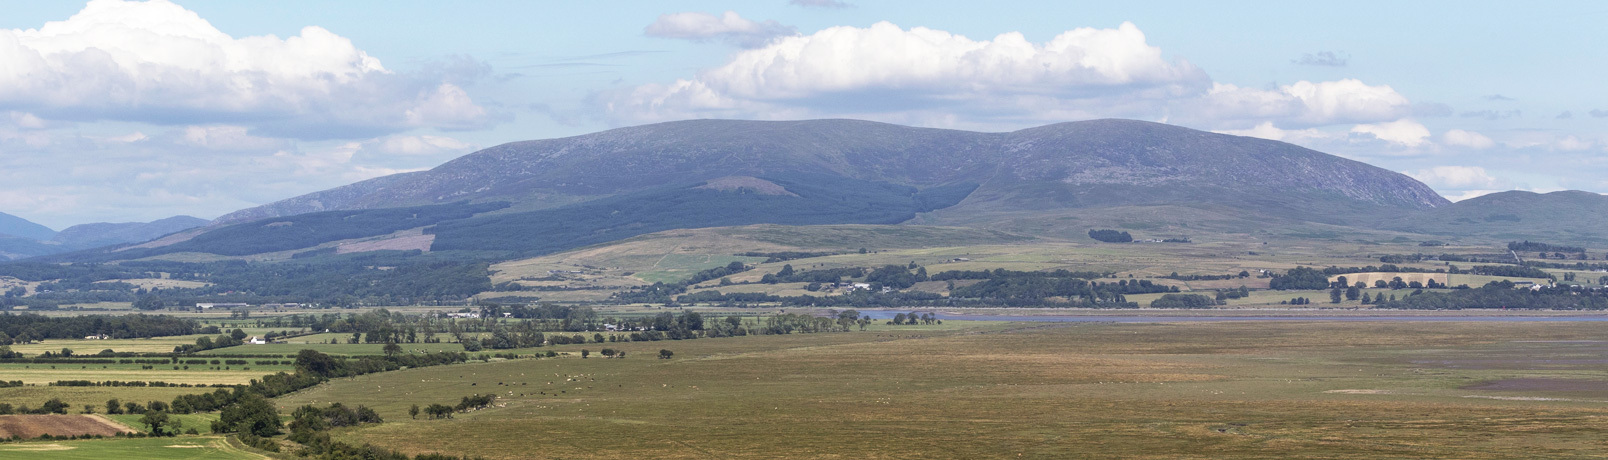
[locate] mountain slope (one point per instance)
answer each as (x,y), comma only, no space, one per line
(1572,216)
(537,197)
(104,233)
(1079,164)
(17,226)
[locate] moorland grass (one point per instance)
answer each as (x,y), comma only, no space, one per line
(1175,390)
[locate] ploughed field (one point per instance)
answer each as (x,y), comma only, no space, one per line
(992,390)
(31,426)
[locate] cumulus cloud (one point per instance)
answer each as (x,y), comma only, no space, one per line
(1323,58)
(885,68)
(1268,131)
(1492,114)
(1598,113)
(1565,115)
(1304,103)
(63,177)
(1470,139)
(820,4)
(156,62)
(1404,132)
(729,27)
(417,145)
(1455,177)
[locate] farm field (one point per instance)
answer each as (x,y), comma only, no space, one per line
(179,448)
(31,426)
(1159,390)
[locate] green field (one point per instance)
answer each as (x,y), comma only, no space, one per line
(176,448)
(201,422)
(1175,390)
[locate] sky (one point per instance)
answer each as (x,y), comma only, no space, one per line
(116,111)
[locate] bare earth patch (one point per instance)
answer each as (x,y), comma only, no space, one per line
(760,186)
(32,426)
(405,240)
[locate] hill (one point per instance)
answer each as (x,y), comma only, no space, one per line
(19,227)
(1067,165)
(525,199)
(102,234)
(1572,216)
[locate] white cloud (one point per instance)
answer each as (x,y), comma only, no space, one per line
(226,137)
(1572,144)
(157,62)
(1266,130)
(890,73)
(937,78)
(820,4)
(1303,103)
(729,27)
(1455,177)
(1470,139)
(417,145)
(1405,132)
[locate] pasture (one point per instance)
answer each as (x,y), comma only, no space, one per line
(179,448)
(1101,390)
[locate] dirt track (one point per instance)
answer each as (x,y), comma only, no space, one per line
(32,426)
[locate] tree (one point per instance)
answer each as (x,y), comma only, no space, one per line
(251,414)
(666,354)
(149,302)
(54,406)
(154,421)
(585,353)
(1334,295)
(1353,293)
(414,411)
(391,349)
(238,334)
(114,407)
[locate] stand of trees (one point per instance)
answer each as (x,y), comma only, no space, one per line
(27,327)
(1503,295)
(1183,301)
(1110,236)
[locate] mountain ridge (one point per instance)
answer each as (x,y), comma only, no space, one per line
(547,173)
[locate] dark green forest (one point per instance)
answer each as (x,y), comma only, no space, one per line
(821,199)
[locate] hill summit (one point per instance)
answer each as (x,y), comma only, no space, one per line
(1066,165)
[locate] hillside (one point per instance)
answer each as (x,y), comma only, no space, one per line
(102,234)
(1572,216)
(1080,164)
(16,226)
(530,198)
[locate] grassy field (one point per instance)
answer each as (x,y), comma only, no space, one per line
(204,374)
(321,343)
(1174,390)
(201,422)
(177,448)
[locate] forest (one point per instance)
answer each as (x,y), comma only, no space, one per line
(815,199)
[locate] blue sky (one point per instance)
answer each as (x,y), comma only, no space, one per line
(123,111)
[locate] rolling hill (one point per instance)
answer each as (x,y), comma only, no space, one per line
(528,198)
(16,226)
(104,233)
(33,240)
(1571,216)
(1080,164)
